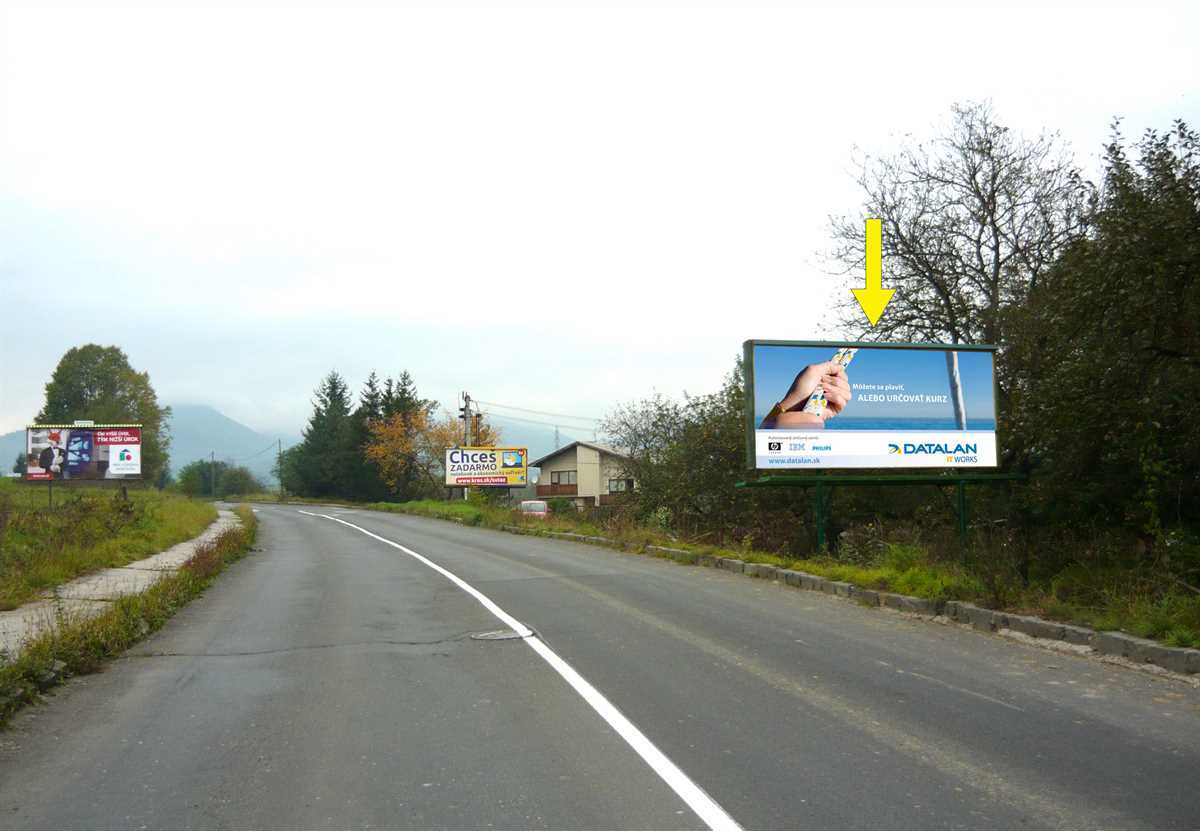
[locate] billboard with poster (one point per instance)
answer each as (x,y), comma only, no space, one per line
(503,467)
(816,404)
(62,452)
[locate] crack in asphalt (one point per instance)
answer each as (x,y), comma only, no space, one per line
(308,648)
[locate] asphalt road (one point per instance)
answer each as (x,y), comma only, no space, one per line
(332,681)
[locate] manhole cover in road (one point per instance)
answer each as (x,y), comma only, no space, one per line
(497,635)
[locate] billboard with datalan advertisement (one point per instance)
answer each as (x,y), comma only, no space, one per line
(815,404)
(503,467)
(78,451)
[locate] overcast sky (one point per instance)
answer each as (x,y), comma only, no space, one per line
(557,206)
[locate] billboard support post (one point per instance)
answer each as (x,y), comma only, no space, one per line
(961,511)
(822,496)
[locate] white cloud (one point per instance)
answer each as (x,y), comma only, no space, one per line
(570,203)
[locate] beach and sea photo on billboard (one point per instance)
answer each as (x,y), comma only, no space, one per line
(871,405)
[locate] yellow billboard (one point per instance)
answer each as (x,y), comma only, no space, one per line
(503,467)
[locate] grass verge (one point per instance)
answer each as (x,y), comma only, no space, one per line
(77,647)
(900,570)
(88,528)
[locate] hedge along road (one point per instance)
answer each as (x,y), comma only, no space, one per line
(331,680)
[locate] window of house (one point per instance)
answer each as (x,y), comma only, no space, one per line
(620,485)
(562,477)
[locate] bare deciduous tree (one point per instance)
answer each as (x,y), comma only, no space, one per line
(971,221)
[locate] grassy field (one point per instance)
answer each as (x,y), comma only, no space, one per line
(80,647)
(87,529)
(1114,598)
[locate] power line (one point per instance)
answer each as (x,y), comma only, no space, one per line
(253,455)
(537,412)
(507,417)
(272,446)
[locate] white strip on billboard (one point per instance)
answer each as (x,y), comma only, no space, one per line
(831,406)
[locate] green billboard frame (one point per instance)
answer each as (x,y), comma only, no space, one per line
(748,373)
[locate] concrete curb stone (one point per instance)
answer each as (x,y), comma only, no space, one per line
(1036,627)
(908,603)
(1079,635)
(1191,660)
(812,582)
(867,597)
(788,577)
(979,618)
(730,564)
(761,570)
(664,550)
(1142,650)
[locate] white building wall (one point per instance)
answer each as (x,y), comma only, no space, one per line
(566,461)
(588,459)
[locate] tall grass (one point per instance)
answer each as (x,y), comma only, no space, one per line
(87,529)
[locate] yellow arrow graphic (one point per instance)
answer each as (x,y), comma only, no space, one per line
(874,298)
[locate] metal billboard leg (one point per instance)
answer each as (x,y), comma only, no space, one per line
(821,514)
(961,510)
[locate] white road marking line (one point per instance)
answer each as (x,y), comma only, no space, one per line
(704,806)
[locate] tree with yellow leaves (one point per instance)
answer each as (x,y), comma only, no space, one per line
(409,449)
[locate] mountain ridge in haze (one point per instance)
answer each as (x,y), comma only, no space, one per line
(198,431)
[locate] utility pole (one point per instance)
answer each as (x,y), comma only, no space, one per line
(279,465)
(465,409)
(465,415)
(212,467)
